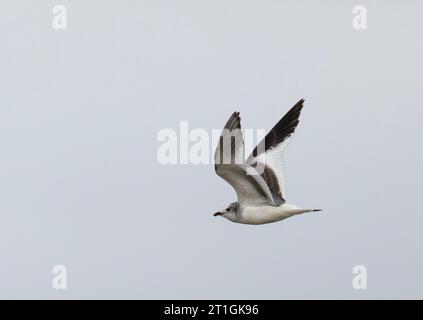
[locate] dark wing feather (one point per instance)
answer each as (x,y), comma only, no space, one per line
(282,130)
(270,170)
(250,187)
(233,125)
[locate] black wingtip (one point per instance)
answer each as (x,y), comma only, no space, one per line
(298,106)
(234,121)
(299,103)
(283,129)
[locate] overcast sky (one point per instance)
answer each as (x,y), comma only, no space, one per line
(80,184)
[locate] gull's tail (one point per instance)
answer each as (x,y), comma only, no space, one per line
(300,211)
(296,210)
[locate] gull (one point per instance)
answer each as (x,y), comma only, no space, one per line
(258,181)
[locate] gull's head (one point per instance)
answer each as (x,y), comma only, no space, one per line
(229,212)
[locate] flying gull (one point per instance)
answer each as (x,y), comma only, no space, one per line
(258,181)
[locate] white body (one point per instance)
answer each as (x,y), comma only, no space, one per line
(265,214)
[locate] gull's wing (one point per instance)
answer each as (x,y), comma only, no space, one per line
(230,149)
(250,187)
(267,156)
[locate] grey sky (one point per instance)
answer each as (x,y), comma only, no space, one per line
(80,184)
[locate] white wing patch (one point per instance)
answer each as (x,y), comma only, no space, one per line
(274,159)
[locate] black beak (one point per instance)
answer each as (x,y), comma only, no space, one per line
(217,214)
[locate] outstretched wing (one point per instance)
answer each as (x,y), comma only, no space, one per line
(267,156)
(249,185)
(230,149)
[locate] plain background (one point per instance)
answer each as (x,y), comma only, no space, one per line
(80,184)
